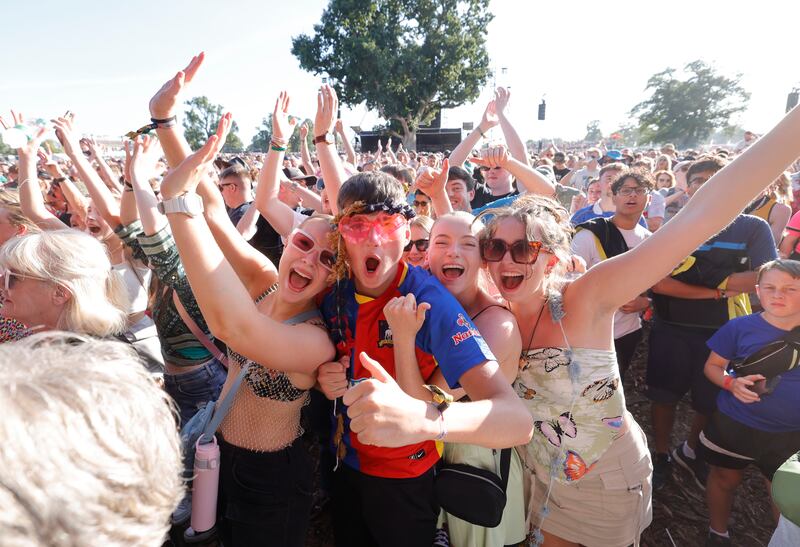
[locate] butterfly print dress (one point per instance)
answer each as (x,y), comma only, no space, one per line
(577,414)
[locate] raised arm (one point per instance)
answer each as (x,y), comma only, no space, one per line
(305,155)
(433,183)
(254,269)
(533,181)
(106,174)
(31,199)
(145,155)
(464,149)
(104,200)
(277,213)
(513,141)
(348,146)
(615,281)
(329,161)
(228,308)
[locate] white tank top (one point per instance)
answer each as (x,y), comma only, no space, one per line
(137,282)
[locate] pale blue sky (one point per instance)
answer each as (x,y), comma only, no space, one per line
(104,60)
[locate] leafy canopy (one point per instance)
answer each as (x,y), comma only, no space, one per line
(406,59)
(202,118)
(687,110)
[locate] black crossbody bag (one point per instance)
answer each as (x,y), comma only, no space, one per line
(771,361)
(472,494)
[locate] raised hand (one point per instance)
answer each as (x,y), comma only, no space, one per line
(490,117)
(163,103)
(88,143)
(501,97)
(494,156)
(433,182)
(65,133)
(29,151)
(304,131)
(186,176)
(327,108)
(339,126)
(126,171)
(146,152)
(283,124)
(405,317)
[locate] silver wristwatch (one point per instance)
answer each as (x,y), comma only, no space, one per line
(188,204)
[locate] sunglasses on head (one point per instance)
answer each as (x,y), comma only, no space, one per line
(303,242)
(522,251)
(357,228)
(420,244)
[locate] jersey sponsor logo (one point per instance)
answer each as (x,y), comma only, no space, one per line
(384,334)
(463,335)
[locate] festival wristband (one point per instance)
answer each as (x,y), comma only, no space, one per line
(165,123)
(726,383)
(442,427)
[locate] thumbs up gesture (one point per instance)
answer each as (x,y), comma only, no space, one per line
(382,414)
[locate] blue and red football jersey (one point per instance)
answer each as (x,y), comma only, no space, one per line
(447,340)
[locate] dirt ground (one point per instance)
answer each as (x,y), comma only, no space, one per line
(680,518)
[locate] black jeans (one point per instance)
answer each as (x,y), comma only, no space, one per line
(379,512)
(264,497)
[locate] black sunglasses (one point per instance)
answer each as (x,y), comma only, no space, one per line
(485,168)
(522,252)
(421,245)
(421,203)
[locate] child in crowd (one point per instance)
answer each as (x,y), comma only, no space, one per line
(758,412)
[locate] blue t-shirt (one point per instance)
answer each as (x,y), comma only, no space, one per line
(780,410)
(448,340)
(587,213)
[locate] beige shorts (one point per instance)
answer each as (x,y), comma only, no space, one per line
(610,506)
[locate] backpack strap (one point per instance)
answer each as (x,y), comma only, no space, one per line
(505,466)
(224,407)
(197,332)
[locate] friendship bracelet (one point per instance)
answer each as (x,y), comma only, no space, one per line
(481,132)
(279,141)
(274,146)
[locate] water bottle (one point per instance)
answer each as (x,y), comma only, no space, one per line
(204,491)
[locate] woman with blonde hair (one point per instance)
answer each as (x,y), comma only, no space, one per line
(62,280)
(416,252)
(588,464)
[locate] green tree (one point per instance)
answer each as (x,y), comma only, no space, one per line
(687,110)
(406,59)
(260,140)
(202,118)
(593,133)
(294,140)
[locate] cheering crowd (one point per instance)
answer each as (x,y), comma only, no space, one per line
(452,329)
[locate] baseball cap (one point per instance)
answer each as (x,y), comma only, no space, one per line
(295,174)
